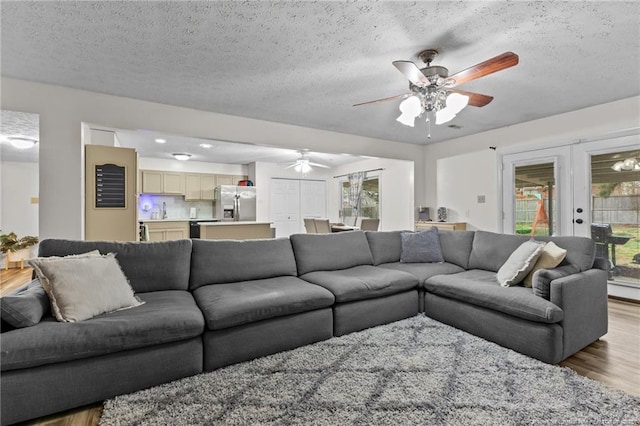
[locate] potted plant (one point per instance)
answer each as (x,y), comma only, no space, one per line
(16,249)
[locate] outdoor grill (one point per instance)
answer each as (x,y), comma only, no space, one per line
(602,235)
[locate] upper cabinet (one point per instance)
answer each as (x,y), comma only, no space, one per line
(194,186)
(199,186)
(159,182)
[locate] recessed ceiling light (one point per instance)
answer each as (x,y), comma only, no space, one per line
(206,145)
(21,142)
(160,140)
(181,156)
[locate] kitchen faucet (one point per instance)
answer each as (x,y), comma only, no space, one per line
(164,210)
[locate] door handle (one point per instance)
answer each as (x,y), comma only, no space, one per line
(578,221)
(579,210)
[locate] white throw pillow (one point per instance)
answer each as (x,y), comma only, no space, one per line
(81,287)
(551,256)
(518,265)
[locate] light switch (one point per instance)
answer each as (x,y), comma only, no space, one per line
(481,199)
(34,200)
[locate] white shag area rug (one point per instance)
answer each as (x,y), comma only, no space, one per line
(412,372)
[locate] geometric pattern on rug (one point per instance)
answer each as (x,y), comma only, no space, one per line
(414,371)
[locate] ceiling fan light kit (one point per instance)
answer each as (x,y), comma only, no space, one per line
(432,90)
(629,164)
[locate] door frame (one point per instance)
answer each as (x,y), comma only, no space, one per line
(560,156)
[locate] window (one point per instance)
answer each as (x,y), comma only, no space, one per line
(366,205)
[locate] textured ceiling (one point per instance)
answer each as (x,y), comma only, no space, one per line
(306,63)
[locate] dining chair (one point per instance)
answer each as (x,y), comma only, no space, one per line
(310,225)
(370,224)
(322,226)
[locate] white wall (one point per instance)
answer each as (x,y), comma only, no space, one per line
(63,110)
(460,180)
(572,126)
(19,182)
(397,206)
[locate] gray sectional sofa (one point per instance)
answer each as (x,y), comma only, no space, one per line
(213,303)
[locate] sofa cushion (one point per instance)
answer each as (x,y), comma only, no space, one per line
(456,246)
(581,251)
(82,287)
(362,282)
(149,266)
(228,305)
(228,261)
(25,306)
(167,316)
(385,246)
(422,246)
(490,250)
(423,271)
(330,252)
(551,256)
(520,263)
(481,288)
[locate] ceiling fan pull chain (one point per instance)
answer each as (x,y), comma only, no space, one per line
(428,126)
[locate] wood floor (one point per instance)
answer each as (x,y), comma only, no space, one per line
(613,360)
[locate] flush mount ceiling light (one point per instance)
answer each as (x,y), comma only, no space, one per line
(181,156)
(160,140)
(626,165)
(21,142)
(206,145)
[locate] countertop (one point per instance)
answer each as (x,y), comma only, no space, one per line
(231,223)
(176,219)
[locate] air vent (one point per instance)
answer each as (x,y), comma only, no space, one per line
(454,126)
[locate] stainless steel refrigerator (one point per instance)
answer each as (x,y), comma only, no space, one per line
(235,203)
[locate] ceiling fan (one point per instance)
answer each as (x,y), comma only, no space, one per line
(304,165)
(434,91)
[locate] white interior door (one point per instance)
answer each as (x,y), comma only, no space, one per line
(313,198)
(285,206)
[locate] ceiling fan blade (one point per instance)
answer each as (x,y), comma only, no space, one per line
(319,165)
(412,72)
(391,98)
(475,99)
(291,165)
(495,64)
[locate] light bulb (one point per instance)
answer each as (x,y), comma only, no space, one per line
(410,109)
(457,102)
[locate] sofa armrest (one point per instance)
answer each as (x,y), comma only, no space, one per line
(583,299)
(601,263)
(542,279)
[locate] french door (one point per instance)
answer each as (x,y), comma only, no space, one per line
(588,188)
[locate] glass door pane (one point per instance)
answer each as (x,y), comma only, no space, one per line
(535,199)
(615,211)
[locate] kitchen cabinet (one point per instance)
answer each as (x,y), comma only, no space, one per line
(199,186)
(449,226)
(229,179)
(159,182)
(168,230)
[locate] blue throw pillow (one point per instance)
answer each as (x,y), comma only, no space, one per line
(26,306)
(421,247)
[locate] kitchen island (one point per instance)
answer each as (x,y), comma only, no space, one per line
(235,230)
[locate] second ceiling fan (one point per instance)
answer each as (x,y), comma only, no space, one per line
(434,91)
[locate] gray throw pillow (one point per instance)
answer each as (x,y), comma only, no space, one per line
(421,247)
(82,287)
(26,306)
(520,263)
